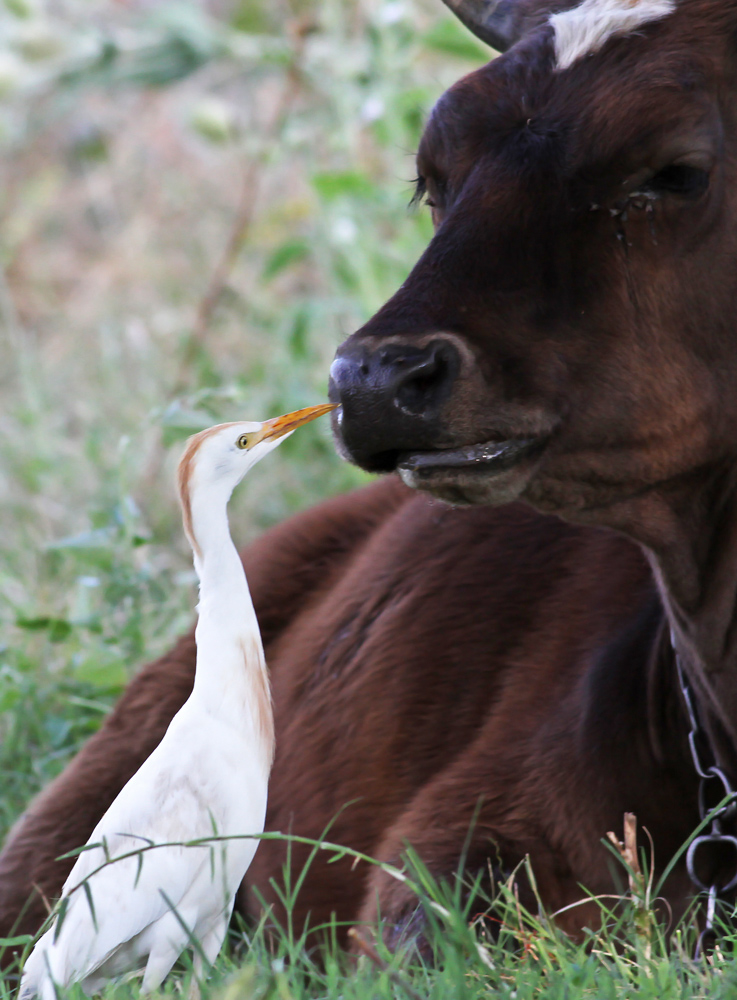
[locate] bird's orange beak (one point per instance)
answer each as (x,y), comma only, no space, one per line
(279,426)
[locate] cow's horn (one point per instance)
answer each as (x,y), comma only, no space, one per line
(499,23)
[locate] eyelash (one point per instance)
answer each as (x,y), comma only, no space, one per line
(420,190)
(420,196)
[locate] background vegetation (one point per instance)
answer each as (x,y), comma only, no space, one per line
(198,201)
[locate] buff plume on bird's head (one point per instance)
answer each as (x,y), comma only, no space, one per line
(222,455)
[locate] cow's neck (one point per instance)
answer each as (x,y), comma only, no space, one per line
(690,538)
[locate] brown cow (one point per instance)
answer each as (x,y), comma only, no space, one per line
(567,340)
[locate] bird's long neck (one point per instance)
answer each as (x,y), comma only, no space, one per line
(218,565)
(231,680)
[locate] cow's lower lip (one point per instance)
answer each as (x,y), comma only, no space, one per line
(491,455)
(492,472)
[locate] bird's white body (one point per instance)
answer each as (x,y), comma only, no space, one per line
(208,776)
(178,794)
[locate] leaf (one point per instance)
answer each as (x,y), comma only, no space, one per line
(193,941)
(341,183)
(58,628)
(298,335)
(9,699)
(139,869)
(90,903)
(214,120)
(138,836)
(101,672)
(78,850)
(61,913)
(11,942)
(284,256)
(190,25)
(57,729)
(394,872)
(450,37)
(21,8)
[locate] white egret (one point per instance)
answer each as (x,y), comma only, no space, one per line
(208,775)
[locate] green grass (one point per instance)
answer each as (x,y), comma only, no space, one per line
(485,946)
(194,211)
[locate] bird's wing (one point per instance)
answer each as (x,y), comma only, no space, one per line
(170,798)
(126,896)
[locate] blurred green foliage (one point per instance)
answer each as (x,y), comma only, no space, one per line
(198,202)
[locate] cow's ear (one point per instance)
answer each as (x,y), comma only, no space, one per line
(500,23)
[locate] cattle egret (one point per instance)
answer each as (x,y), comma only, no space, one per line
(208,775)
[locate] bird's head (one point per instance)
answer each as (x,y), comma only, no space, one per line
(216,459)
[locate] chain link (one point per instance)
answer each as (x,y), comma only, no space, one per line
(716,840)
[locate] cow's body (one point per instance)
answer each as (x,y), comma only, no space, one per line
(567,339)
(395,694)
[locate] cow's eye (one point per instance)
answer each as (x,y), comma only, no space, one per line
(681,179)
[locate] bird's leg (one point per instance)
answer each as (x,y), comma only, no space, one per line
(208,951)
(194,992)
(170,942)
(158,967)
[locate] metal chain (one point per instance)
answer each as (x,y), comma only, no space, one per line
(716,840)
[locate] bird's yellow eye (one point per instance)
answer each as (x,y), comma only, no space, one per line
(243,441)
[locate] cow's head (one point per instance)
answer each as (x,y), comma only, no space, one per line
(568,336)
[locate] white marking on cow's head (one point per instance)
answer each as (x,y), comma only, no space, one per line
(584,29)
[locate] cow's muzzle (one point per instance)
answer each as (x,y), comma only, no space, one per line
(391,398)
(422,407)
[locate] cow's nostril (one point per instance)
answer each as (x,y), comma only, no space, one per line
(391,398)
(419,390)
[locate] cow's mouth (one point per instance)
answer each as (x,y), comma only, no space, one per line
(492,472)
